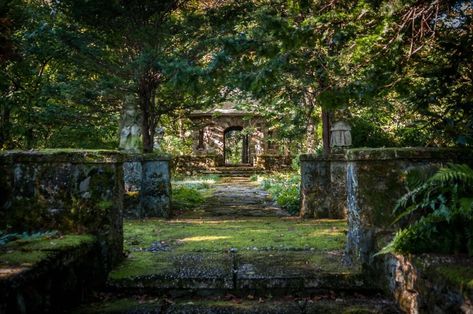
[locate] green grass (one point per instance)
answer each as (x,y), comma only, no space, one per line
(243,234)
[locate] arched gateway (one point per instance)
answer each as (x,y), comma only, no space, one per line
(231,137)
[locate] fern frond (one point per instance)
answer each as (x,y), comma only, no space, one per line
(453,172)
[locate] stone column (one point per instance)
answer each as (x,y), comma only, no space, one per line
(155,197)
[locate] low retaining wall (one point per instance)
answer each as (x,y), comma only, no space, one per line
(191,165)
(69,191)
(366,184)
(147,186)
(274,162)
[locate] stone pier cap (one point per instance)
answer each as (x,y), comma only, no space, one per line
(413,153)
(76,156)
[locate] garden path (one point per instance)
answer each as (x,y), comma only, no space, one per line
(238,197)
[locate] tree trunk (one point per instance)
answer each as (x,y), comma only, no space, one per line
(147,101)
(326,125)
(5,135)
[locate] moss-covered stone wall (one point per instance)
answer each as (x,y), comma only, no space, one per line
(147,179)
(376,179)
(323,186)
(365,184)
(65,190)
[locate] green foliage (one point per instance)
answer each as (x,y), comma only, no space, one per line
(186,198)
(284,189)
(437,212)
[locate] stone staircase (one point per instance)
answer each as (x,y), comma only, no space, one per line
(235,171)
(241,282)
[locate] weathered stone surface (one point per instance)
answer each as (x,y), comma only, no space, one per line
(323,187)
(297,271)
(430,284)
(155,189)
(273,162)
(375,181)
(48,275)
(147,185)
(174,271)
(67,191)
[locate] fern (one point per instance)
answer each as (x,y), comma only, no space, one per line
(453,172)
(437,213)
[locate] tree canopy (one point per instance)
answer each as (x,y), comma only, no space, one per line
(399,71)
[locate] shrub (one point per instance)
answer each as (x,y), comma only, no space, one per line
(437,213)
(185,198)
(284,189)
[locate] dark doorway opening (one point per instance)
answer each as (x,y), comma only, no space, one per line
(236,146)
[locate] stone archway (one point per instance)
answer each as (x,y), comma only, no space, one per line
(235,146)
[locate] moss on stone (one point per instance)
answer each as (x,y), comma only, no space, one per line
(63,155)
(31,251)
(139,264)
(461,275)
(21,258)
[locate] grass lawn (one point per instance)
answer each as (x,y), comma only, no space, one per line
(196,235)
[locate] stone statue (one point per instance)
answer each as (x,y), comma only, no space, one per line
(158,137)
(130,127)
(340,135)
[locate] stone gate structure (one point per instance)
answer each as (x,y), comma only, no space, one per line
(211,134)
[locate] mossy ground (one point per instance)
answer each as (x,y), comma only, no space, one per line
(210,241)
(219,235)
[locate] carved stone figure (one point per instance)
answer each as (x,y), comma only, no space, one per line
(340,135)
(130,127)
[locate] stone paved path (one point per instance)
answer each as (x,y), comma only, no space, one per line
(240,197)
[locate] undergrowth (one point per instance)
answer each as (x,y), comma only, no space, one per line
(189,192)
(284,189)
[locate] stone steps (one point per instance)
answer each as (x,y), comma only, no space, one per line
(251,271)
(235,171)
(250,304)
(241,282)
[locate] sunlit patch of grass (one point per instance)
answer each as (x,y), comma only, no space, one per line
(221,235)
(203,238)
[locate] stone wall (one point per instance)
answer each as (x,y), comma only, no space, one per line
(365,184)
(147,186)
(191,165)
(69,191)
(323,187)
(273,162)
(376,179)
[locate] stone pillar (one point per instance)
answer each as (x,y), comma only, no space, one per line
(323,187)
(375,181)
(155,198)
